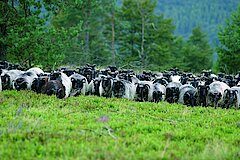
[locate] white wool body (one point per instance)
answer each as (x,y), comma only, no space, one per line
(183,89)
(36,70)
(159,87)
(217,87)
(175,78)
(66,81)
(150,91)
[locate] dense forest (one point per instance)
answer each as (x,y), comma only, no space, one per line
(205,13)
(137,34)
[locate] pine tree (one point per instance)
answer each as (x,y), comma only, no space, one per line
(198,52)
(229,48)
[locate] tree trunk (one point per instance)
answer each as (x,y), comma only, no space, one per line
(113,38)
(142,44)
(3,31)
(88,14)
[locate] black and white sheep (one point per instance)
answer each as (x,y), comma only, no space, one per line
(39,82)
(8,77)
(158,92)
(187,95)
(79,84)
(172,92)
(123,89)
(144,91)
(215,93)
(105,88)
(64,79)
(231,97)
(93,87)
(24,80)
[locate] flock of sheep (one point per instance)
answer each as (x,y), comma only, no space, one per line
(173,86)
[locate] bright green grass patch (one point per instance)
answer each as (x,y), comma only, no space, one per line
(34,126)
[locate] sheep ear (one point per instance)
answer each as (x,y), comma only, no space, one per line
(208,87)
(147,85)
(226,90)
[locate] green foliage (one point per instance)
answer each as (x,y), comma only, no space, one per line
(229,48)
(187,14)
(92,44)
(198,52)
(76,32)
(35,126)
(26,38)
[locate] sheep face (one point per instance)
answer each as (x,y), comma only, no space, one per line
(38,83)
(21,84)
(142,91)
(54,87)
(230,98)
(6,81)
(172,94)
(118,89)
(190,99)
(96,83)
(157,96)
(77,83)
(214,98)
(202,95)
(106,83)
(55,76)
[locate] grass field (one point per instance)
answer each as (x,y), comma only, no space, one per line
(87,127)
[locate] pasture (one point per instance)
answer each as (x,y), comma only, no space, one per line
(36,126)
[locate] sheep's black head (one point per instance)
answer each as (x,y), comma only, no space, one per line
(38,83)
(215,98)
(157,96)
(142,91)
(6,82)
(54,87)
(55,76)
(21,83)
(96,83)
(107,83)
(190,98)
(118,88)
(172,94)
(78,83)
(230,97)
(203,90)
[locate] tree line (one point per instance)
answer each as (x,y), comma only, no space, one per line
(130,35)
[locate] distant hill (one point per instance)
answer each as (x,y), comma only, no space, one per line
(187,14)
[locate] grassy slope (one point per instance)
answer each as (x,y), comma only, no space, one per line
(38,126)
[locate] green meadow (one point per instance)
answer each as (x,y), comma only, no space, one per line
(35,126)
